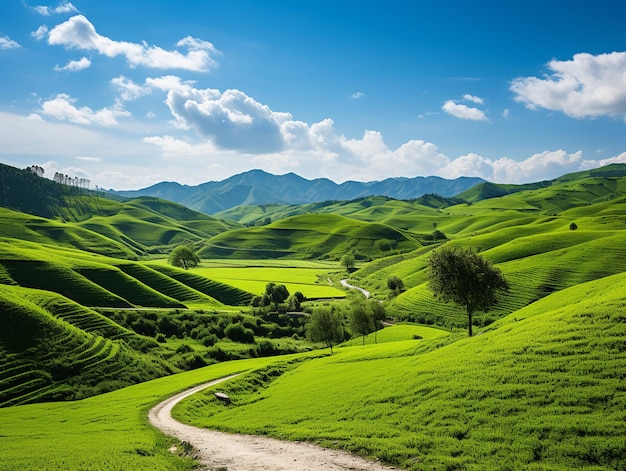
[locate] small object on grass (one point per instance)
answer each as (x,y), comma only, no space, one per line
(223,397)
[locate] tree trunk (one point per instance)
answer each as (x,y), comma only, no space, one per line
(469,322)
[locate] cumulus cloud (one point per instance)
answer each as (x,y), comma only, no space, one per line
(235,127)
(462,111)
(77,32)
(7,43)
(62,7)
(40,32)
(357,95)
(586,86)
(128,89)
(232,120)
(74,66)
(473,99)
(62,108)
(541,166)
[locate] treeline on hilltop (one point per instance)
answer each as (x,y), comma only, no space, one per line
(29,192)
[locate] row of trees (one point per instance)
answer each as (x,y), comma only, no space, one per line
(71,181)
(327,324)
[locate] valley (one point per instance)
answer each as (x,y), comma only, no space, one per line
(98,326)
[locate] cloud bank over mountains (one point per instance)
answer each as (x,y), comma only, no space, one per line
(229,131)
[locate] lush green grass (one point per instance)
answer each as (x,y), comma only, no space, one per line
(544,390)
(223,293)
(315,236)
(25,227)
(542,386)
(309,281)
(51,348)
(398,333)
(106,432)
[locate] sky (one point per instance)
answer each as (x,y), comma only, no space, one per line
(129,94)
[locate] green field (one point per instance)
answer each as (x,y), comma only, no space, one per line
(93,317)
(309,281)
(544,389)
(106,432)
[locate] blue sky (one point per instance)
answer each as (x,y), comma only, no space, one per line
(128,94)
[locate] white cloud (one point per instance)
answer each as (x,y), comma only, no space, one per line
(79,33)
(74,66)
(473,99)
(618,159)
(128,89)
(62,7)
(541,166)
(62,108)
(65,7)
(88,159)
(7,43)
(357,95)
(464,112)
(40,32)
(506,113)
(232,120)
(586,86)
(234,128)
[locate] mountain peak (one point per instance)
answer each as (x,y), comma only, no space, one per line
(256,187)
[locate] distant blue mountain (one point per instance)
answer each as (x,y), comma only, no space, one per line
(257,187)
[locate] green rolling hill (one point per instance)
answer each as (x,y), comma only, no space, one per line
(542,388)
(307,236)
(82,301)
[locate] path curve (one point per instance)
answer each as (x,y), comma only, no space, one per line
(348,285)
(249,452)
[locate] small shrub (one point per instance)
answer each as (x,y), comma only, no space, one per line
(238,333)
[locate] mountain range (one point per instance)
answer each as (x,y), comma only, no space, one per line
(257,187)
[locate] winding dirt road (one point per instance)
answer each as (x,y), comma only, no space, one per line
(218,450)
(348,285)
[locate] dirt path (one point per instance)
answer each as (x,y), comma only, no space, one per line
(348,285)
(218,450)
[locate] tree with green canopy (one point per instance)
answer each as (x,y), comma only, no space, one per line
(183,256)
(465,278)
(361,318)
(276,293)
(325,326)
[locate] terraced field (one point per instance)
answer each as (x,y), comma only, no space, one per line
(89,304)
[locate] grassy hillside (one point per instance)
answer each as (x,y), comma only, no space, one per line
(51,348)
(491,190)
(396,213)
(109,431)
(542,389)
(308,236)
(528,236)
(84,219)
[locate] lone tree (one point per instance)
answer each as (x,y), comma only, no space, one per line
(465,278)
(378,315)
(361,319)
(183,256)
(347,261)
(325,326)
(395,284)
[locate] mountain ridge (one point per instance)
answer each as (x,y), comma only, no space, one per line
(257,187)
